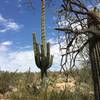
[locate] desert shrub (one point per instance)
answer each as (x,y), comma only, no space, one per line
(67,95)
(85,76)
(29,86)
(6,80)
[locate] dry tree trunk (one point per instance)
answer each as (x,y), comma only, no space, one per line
(94,52)
(94,48)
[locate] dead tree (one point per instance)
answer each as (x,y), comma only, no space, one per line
(83,25)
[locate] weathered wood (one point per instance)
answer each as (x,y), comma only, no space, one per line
(94,48)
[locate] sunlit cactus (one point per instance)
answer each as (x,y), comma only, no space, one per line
(43,59)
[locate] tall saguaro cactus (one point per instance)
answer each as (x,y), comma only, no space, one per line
(43,59)
(94,52)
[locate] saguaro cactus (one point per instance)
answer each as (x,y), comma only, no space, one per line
(94,52)
(43,59)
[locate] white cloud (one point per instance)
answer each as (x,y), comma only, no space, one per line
(2,19)
(8,24)
(5,45)
(63,24)
(19,3)
(18,60)
(57,57)
(15,60)
(98,5)
(90,7)
(52,41)
(22,60)
(13,25)
(54,18)
(77,25)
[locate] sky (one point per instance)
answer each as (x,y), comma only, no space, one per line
(17,22)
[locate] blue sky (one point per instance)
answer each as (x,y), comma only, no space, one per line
(27,20)
(17,22)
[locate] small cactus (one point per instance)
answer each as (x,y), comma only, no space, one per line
(43,59)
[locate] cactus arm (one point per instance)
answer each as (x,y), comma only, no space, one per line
(37,56)
(34,41)
(50,61)
(36,51)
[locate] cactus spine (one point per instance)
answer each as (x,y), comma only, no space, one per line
(43,59)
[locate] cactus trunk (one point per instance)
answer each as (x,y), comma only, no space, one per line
(43,59)
(43,32)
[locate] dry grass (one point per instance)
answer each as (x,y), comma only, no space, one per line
(28,86)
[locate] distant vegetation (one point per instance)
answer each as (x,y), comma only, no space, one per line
(28,86)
